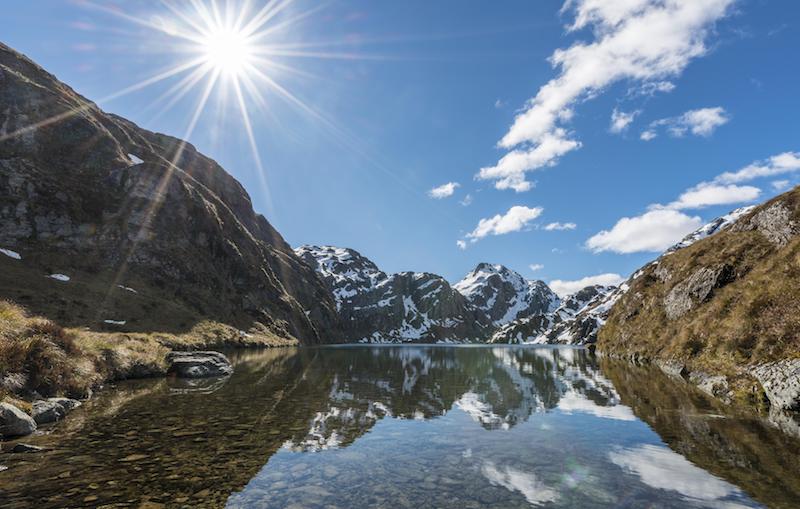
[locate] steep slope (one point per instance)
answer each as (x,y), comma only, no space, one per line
(504,295)
(143,232)
(405,307)
(724,310)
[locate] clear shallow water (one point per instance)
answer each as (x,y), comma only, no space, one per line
(408,426)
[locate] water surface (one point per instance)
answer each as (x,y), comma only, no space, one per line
(408,426)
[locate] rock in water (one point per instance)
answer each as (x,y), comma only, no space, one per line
(198,364)
(53,409)
(25,448)
(14,422)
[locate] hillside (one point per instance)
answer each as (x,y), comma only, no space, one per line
(108,226)
(723,311)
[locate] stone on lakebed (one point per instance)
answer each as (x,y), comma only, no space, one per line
(198,364)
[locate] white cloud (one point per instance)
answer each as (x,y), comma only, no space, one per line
(663,469)
(780,185)
(499,104)
(514,220)
(707,194)
(461,244)
(535,491)
(535,266)
(644,41)
(787,162)
(620,120)
(648,135)
(467,201)
(560,226)
(443,191)
(564,288)
(700,122)
(653,231)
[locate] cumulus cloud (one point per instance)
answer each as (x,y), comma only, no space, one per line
(565,288)
(781,164)
(663,225)
(461,244)
(467,201)
(514,220)
(653,231)
(707,194)
(444,190)
(620,120)
(643,41)
(700,122)
(535,266)
(560,226)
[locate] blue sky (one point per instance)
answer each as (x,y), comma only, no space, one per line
(394,99)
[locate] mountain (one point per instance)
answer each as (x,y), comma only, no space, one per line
(409,306)
(504,295)
(137,230)
(723,311)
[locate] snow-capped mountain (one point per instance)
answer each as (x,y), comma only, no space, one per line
(409,306)
(504,295)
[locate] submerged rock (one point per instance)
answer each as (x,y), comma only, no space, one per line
(198,364)
(14,422)
(53,409)
(25,448)
(781,383)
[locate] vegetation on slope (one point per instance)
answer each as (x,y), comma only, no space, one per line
(39,356)
(723,304)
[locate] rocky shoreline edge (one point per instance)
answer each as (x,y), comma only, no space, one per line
(16,422)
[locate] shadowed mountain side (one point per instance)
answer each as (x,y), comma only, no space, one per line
(743,450)
(150,232)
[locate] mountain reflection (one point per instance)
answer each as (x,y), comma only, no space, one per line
(499,390)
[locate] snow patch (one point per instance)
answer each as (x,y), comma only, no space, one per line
(134,159)
(59,277)
(11,254)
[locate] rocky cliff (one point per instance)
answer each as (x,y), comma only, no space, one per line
(138,230)
(724,310)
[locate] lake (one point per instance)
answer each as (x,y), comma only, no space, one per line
(408,426)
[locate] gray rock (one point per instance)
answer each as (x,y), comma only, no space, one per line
(781,383)
(713,385)
(675,369)
(695,289)
(198,364)
(774,223)
(15,422)
(44,412)
(52,409)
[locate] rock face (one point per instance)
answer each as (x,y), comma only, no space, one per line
(409,306)
(723,305)
(14,422)
(149,231)
(198,364)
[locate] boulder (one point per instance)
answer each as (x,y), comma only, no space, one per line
(52,409)
(198,364)
(781,383)
(14,422)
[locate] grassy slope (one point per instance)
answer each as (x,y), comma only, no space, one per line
(751,320)
(39,355)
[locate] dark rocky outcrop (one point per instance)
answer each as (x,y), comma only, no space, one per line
(152,235)
(52,409)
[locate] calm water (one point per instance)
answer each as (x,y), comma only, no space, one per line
(409,426)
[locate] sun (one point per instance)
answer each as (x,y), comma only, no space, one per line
(227,51)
